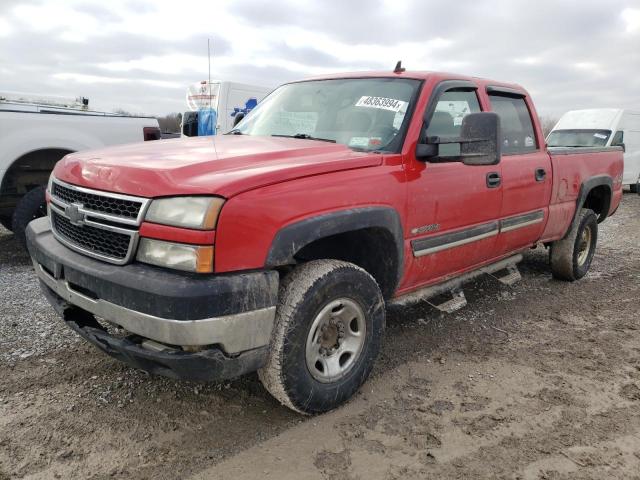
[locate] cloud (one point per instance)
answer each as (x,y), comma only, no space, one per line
(631,17)
(5,28)
(140,55)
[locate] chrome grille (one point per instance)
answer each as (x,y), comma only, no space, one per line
(98,203)
(99,224)
(103,242)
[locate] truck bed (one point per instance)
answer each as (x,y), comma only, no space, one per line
(570,166)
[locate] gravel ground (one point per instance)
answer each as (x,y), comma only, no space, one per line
(541,380)
(28,325)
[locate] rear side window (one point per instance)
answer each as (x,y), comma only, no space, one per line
(518,135)
(446,121)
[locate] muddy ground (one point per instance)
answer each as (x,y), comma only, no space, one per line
(541,380)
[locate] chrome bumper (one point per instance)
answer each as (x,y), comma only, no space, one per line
(234,333)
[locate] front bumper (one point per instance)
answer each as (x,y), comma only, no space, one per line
(225,316)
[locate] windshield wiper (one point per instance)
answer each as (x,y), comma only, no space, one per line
(235,131)
(306,136)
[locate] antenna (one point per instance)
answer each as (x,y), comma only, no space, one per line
(213,136)
(209,59)
(399,68)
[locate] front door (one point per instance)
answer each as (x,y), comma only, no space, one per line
(453,209)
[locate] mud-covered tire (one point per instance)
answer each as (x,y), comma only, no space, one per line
(304,294)
(33,205)
(569,260)
(6,222)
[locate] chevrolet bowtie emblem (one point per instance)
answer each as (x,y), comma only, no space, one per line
(73,214)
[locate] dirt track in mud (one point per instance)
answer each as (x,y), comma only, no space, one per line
(541,380)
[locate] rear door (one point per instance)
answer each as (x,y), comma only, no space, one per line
(453,209)
(526,171)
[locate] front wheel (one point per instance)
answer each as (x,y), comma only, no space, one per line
(33,205)
(328,331)
(571,257)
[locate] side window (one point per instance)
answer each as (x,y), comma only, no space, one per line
(446,120)
(618,139)
(518,135)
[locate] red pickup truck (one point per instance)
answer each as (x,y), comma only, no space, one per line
(276,247)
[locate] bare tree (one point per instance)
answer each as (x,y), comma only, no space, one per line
(170,123)
(547,123)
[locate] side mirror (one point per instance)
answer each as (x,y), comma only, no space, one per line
(426,150)
(480,139)
(239,116)
(190,124)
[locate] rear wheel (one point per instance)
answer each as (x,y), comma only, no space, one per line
(33,205)
(571,257)
(634,188)
(328,332)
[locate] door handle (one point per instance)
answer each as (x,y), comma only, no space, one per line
(493,179)
(541,174)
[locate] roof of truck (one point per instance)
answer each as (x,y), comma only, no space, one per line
(23,107)
(419,75)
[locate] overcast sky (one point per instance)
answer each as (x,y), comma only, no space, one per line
(140,55)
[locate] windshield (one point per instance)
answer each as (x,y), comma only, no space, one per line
(578,138)
(362,113)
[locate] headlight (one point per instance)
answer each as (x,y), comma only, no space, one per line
(200,213)
(179,256)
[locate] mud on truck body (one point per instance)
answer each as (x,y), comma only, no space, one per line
(277,248)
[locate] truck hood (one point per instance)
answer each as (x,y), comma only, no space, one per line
(190,166)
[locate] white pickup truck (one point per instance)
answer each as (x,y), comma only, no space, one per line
(37,132)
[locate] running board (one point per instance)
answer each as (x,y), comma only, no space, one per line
(453,285)
(511,277)
(457,301)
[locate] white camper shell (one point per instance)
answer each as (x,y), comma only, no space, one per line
(602,127)
(227,99)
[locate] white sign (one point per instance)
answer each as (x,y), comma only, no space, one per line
(458,109)
(382,103)
(202,95)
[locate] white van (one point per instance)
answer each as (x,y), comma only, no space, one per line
(603,127)
(226,99)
